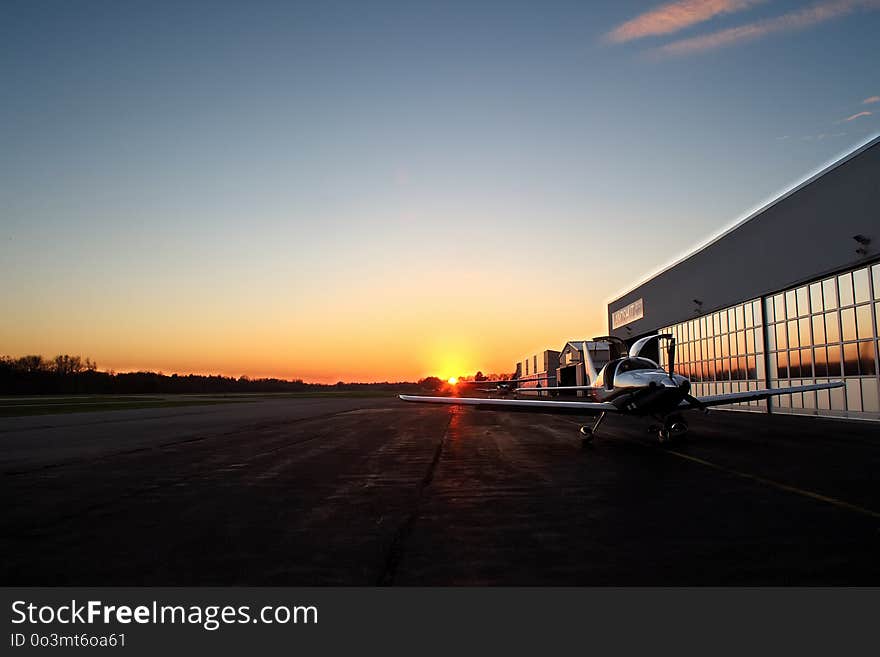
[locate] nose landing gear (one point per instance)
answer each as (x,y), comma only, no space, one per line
(674,426)
(587,433)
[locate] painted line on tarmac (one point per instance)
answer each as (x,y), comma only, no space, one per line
(778,485)
(841,504)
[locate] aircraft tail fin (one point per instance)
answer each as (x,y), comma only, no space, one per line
(589,367)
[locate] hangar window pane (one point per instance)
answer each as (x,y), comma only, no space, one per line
(834,361)
(794,364)
(740,317)
(781,340)
(756,309)
(779,307)
(860,283)
(829,293)
(741,365)
(750,341)
(803,302)
(724,321)
(816,297)
(864,323)
(804,330)
(806,363)
(753,369)
(818,329)
(832,331)
(877,319)
(790,305)
(850,359)
(866,357)
(716,323)
(782,364)
(853,395)
(759,341)
(747,311)
(741,343)
(731,320)
(768,309)
(870,400)
(823,400)
(793,334)
(774,370)
(875,275)
(820,360)
(838,399)
(848,324)
(845,289)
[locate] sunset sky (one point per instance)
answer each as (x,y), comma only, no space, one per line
(386,190)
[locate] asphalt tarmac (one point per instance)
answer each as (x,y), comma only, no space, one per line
(376,491)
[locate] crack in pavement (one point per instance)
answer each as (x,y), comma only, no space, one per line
(398,543)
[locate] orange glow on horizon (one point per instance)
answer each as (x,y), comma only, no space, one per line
(453,380)
(378,326)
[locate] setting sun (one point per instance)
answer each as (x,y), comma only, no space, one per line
(453,380)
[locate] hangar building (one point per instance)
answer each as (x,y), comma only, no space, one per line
(788,296)
(536,368)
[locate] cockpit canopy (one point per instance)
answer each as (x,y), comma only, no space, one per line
(620,365)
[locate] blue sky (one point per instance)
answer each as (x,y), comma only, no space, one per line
(237,186)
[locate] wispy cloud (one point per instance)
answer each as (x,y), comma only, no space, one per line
(870,100)
(794,20)
(856,116)
(675,16)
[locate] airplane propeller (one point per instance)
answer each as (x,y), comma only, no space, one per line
(670,357)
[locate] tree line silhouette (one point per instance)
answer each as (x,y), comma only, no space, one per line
(65,374)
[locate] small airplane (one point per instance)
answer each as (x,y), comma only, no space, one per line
(506,386)
(630,385)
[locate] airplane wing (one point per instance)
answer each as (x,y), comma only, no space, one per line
(752,395)
(531,405)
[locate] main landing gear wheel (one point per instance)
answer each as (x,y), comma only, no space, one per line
(586,436)
(587,433)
